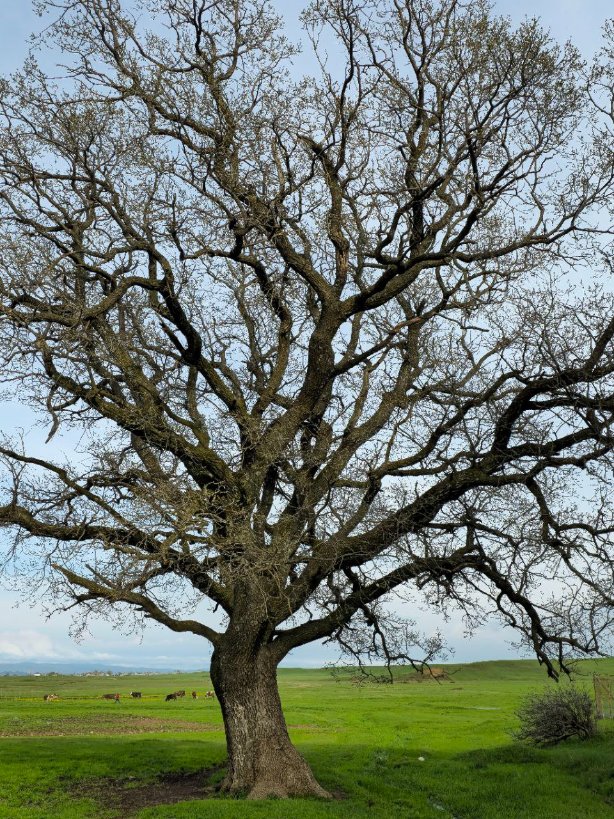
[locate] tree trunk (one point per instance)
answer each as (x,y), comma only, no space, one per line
(262,762)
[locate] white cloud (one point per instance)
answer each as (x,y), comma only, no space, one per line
(34,637)
(25,644)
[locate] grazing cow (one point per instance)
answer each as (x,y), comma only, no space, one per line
(50,697)
(180,693)
(194,695)
(114,697)
(170,697)
(136,695)
(210,695)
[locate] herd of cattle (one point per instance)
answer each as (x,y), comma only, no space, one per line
(137,695)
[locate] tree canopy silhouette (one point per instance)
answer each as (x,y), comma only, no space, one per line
(325,337)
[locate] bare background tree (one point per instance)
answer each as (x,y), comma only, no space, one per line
(320,336)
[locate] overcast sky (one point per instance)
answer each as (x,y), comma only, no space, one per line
(25,633)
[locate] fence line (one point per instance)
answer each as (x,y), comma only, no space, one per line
(604,696)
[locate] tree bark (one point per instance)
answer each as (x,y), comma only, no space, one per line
(262,762)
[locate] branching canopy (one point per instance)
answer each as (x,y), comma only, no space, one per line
(325,337)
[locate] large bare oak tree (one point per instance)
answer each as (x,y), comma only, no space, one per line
(325,337)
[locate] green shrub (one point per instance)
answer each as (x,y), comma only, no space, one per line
(549,717)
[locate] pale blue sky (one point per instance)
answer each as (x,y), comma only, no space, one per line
(25,634)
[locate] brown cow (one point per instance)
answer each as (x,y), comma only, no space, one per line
(50,697)
(170,697)
(180,693)
(194,695)
(210,695)
(114,697)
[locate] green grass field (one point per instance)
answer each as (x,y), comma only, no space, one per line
(85,757)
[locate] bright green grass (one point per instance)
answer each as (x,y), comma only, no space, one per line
(361,742)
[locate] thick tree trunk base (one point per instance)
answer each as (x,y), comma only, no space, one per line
(262,762)
(293,780)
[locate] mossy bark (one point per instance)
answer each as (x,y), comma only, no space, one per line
(262,762)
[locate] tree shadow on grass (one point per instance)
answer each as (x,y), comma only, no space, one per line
(121,777)
(574,765)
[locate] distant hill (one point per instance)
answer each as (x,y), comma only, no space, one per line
(28,667)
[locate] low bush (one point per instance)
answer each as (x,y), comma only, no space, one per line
(551,716)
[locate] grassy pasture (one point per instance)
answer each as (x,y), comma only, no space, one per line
(83,756)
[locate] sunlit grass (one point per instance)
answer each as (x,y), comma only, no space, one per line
(364,744)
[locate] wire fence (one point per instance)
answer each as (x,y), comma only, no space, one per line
(604,696)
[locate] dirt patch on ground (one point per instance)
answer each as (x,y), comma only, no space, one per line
(101,725)
(129,795)
(110,725)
